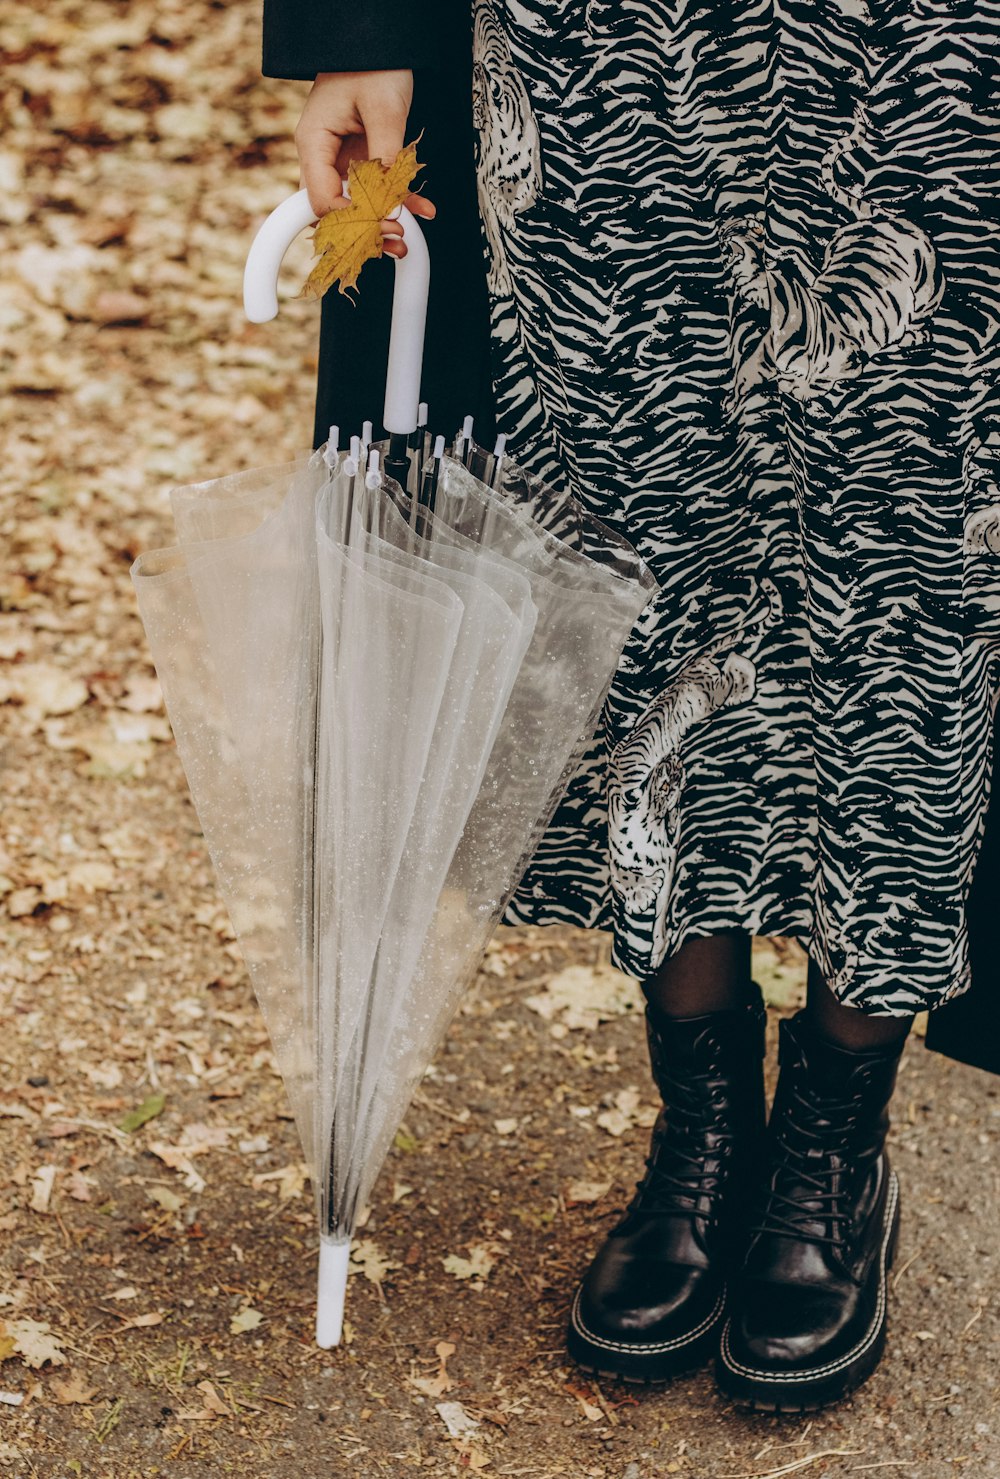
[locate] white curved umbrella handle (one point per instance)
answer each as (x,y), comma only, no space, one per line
(409,299)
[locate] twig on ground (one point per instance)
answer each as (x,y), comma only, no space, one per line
(798,1464)
(911,1260)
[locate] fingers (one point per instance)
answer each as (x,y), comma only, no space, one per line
(355,116)
(384,122)
(392,239)
(392,231)
(318,150)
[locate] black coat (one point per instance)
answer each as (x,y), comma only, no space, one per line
(433,37)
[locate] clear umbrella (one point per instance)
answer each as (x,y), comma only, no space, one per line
(378,701)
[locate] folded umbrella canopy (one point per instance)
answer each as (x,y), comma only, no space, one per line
(378,701)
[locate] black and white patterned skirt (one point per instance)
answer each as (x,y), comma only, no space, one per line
(745,287)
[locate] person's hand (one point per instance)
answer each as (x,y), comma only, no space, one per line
(354,115)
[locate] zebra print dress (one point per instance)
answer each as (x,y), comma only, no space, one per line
(745,289)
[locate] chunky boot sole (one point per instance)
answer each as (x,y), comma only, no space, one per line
(648,1364)
(818,1386)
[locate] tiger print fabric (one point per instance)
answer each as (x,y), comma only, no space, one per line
(745,280)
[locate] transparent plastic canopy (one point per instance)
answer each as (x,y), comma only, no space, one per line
(376,725)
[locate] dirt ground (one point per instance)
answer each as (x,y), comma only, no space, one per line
(158,1248)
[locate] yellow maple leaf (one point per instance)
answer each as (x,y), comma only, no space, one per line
(349,236)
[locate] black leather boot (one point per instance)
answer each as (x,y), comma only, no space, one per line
(808,1311)
(652,1301)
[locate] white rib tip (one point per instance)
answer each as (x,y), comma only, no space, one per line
(332,446)
(331,1292)
(366,433)
(501,443)
(467,425)
(438,448)
(372,478)
(422,414)
(355,449)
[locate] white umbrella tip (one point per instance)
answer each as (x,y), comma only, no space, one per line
(334,1259)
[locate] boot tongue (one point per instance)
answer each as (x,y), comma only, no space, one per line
(826,1078)
(673,1045)
(690,1043)
(834,1073)
(824,1060)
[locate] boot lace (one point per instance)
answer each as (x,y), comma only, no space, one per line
(809,1188)
(681,1170)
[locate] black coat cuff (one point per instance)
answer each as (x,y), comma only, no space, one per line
(304,37)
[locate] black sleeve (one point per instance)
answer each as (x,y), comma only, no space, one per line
(303,37)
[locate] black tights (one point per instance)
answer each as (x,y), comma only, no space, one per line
(710,974)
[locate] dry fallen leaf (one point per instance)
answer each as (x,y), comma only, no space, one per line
(32,1340)
(478,1265)
(587,1191)
(472,1457)
(626,1111)
(143,694)
(78,1186)
(165,1198)
(213,1401)
(244,1320)
(215,1406)
(111,759)
(456,1419)
(92,876)
(156,1317)
(583,996)
(440,1383)
(113,307)
(143,1322)
(584,1396)
(71,1390)
(41,1188)
(195,1139)
(289,1180)
(23,901)
(349,236)
(370,1261)
(42,689)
